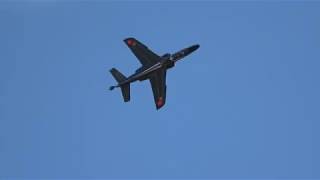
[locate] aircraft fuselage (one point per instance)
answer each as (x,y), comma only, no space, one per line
(167,61)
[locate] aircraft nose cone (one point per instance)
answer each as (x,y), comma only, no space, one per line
(194,47)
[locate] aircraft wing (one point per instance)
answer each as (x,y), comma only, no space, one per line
(142,52)
(158,84)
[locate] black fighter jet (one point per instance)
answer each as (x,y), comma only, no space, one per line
(153,67)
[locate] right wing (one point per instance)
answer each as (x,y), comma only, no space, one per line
(158,84)
(145,56)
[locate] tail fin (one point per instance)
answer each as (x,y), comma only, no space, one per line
(125,88)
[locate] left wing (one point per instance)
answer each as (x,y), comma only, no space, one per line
(142,52)
(158,84)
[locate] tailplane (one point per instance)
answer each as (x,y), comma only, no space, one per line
(117,75)
(125,88)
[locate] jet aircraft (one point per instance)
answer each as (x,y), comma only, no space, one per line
(154,68)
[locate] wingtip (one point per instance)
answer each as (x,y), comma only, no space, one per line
(158,107)
(128,38)
(130,41)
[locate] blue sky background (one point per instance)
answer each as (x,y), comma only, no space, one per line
(245,105)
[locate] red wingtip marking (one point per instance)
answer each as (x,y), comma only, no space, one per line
(131,42)
(160,102)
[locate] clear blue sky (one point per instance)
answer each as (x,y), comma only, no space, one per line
(245,105)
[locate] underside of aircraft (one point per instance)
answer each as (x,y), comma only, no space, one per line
(154,68)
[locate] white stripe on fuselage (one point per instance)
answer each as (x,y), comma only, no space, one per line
(145,72)
(150,69)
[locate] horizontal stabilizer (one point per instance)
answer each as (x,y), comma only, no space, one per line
(117,75)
